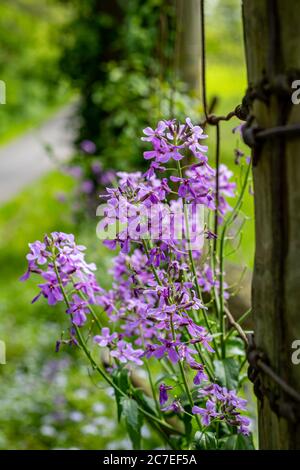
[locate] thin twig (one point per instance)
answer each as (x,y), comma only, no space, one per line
(235,325)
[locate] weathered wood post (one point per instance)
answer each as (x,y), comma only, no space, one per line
(272,42)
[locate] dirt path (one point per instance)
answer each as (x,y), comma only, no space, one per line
(25,159)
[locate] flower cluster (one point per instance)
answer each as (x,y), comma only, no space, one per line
(159,305)
(222,404)
(61,264)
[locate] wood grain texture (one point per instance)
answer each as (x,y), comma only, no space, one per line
(272,43)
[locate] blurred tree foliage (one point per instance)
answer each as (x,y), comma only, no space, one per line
(224,32)
(29,38)
(119,54)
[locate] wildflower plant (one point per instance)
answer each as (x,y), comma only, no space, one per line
(166,312)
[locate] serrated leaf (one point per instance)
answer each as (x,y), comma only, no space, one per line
(133,421)
(227,372)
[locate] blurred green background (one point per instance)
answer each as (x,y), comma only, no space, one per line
(120,62)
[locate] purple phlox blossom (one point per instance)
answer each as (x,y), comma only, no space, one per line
(155,193)
(129,179)
(88,285)
(228,404)
(209,235)
(226,187)
(162,313)
(156,256)
(198,333)
(238,154)
(96,168)
(50,289)
(167,348)
(207,414)
(162,152)
(243,422)
(152,133)
(207,281)
(75,171)
(107,300)
(186,353)
(72,341)
(87,186)
(201,375)
(163,393)
(88,146)
(238,129)
(78,309)
(154,166)
(124,352)
(185,186)
(107,177)
(32,268)
(194,302)
(171,139)
(175,407)
(38,253)
(106,338)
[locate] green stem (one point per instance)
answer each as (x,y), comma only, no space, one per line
(198,290)
(222,245)
(183,376)
(95,317)
(151,265)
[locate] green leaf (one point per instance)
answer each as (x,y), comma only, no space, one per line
(227,372)
(133,420)
(235,347)
(205,441)
(187,421)
(238,442)
(147,403)
(121,380)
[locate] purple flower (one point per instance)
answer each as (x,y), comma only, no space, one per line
(38,253)
(151,134)
(105,339)
(201,375)
(125,353)
(163,393)
(168,348)
(50,290)
(207,413)
(87,186)
(78,309)
(175,407)
(75,171)
(228,405)
(88,146)
(152,301)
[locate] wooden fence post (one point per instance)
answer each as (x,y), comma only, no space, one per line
(188,42)
(272,42)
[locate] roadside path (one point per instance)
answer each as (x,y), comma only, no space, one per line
(25,159)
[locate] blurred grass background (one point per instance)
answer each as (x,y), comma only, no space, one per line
(49,400)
